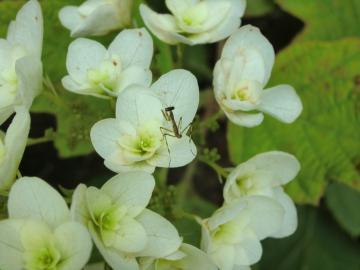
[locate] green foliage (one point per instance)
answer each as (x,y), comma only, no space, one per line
(344,203)
(75,115)
(317,244)
(326,137)
(257,8)
(325,19)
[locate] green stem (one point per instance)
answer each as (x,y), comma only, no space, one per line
(186,182)
(180,50)
(161,175)
(218,169)
(34,141)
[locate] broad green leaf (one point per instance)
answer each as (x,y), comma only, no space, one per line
(325,19)
(344,204)
(326,137)
(75,115)
(257,8)
(317,244)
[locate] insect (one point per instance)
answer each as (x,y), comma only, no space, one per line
(176,130)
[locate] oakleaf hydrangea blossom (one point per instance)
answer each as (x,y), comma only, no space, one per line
(240,76)
(20,60)
(97,71)
(12,147)
(194,21)
(39,233)
(120,225)
(141,137)
(263,175)
(187,257)
(96,17)
(231,236)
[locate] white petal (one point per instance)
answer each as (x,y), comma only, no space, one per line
(177,7)
(290,217)
(5,113)
(29,72)
(282,167)
(15,144)
(195,259)
(224,257)
(78,60)
(31,197)
(6,57)
(82,89)
(138,106)
(70,17)
(11,250)
(163,26)
(134,47)
(249,250)
(106,133)
(102,20)
(78,209)
(75,245)
(230,23)
(27,30)
(114,258)
(226,214)
(134,75)
(250,37)
(245,119)
(179,89)
(132,190)
(120,168)
(177,152)
(281,102)
(130,237)
(265,214)
(163,238)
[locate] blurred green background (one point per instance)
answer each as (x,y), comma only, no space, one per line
(318,45)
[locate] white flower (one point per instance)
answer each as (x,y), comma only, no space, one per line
(96,17)
(231,236)
(39,233)
(240,76)
(12,147)
(120,225)
(263,175)
(141,138)
(20,60)
(187,257)
(194,21)
(97,71)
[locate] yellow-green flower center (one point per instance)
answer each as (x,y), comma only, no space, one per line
(46,258)
(244,184)
(195,15)
(107,75)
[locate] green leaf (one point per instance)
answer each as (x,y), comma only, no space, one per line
(344,204)
(326,137)
(317,244)
(257,8)
(75,115)
(325,19)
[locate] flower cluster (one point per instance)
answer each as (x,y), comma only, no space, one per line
(151,128)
